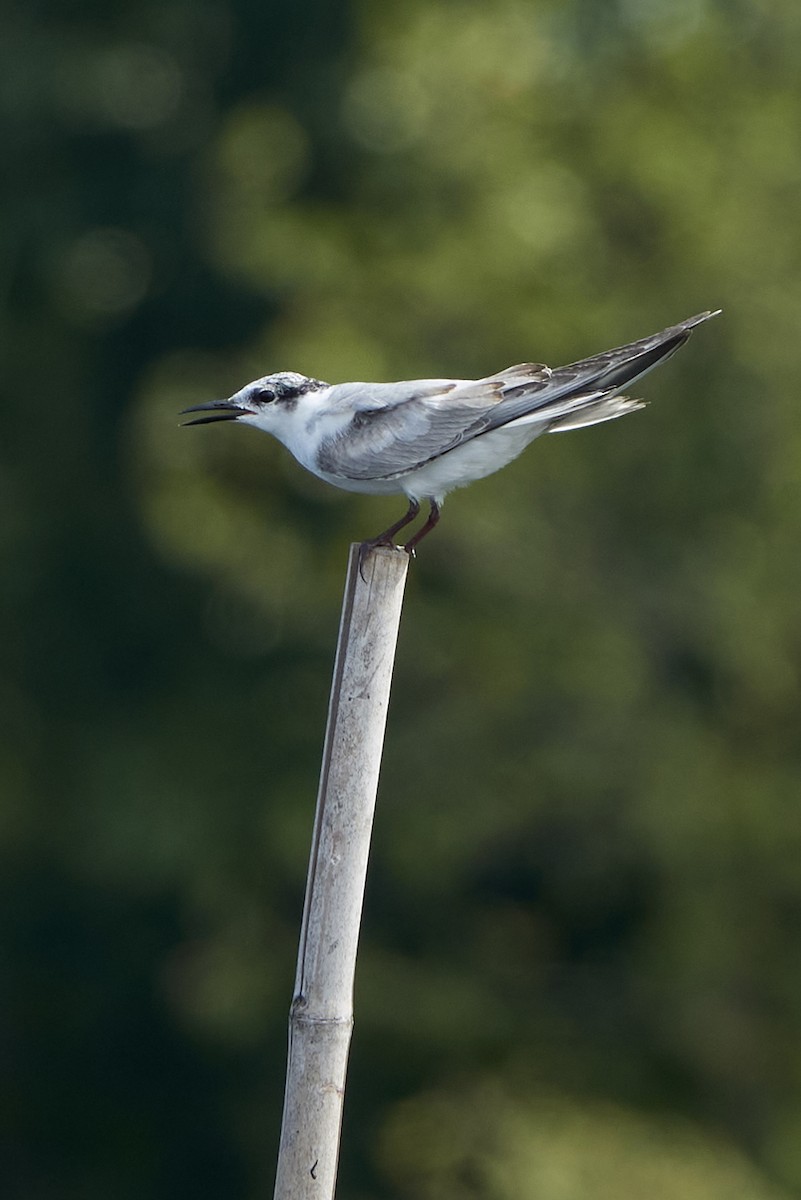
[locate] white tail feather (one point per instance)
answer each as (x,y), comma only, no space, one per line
(596,412)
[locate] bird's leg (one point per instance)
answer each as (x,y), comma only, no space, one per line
(385,538)
(424,530)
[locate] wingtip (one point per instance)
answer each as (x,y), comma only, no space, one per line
(704,316)
(685,328)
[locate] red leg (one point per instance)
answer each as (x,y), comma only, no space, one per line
(424,530)
(385,538)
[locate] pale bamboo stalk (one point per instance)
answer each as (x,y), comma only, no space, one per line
(321,1015)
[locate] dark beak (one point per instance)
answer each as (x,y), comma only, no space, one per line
(219,410)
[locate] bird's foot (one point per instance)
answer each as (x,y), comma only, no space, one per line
(366,549)
(385,538)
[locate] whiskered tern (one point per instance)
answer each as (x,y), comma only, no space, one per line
(424,437)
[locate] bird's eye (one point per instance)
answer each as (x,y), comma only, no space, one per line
(266,395)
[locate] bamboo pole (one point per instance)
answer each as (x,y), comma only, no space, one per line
(321,1015)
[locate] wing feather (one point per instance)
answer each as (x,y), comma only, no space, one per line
(392,439)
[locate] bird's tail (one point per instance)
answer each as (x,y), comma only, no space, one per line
(593,412)
(586,392)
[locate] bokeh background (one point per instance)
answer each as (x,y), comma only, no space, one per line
(580,974)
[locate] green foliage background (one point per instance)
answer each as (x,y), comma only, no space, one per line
(580,974)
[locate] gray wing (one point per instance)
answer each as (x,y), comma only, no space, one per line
(399,427)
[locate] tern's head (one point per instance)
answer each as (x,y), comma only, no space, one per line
(264,403)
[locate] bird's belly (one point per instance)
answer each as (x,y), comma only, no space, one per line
(474,460)
(394,486)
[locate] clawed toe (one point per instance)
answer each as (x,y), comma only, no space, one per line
(366,548)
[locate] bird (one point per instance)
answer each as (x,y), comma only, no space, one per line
(424,437)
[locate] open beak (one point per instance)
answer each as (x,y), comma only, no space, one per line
(218,410)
